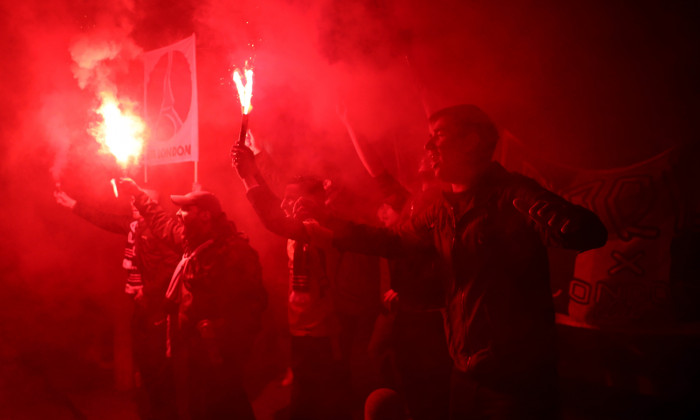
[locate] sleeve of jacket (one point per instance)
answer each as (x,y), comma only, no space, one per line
(244,298)
(586,230)
(163,226)
(411,236)
(267,206)
(274,175)
(115,223)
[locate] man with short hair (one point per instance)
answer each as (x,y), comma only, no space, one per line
(490,233)
(216,298)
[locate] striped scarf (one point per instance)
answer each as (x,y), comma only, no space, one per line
(134,283)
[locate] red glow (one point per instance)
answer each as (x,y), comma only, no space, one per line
(120,131)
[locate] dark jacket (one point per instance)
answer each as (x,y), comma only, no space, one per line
(223,282)
(316,317)
(153,257)
(353,278)
(412,275)
(499,319)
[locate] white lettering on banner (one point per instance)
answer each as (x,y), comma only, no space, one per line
(174,151)
(614,300)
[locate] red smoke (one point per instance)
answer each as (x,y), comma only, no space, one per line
(595,84)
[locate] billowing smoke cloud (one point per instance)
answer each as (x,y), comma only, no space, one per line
(97,54)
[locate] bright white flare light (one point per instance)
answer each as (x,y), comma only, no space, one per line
(120,132)
(245,92)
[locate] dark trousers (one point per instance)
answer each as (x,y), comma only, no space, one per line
(209,381)
(423,363)
(472,399)
(155,393)
(359,373)
(317,387)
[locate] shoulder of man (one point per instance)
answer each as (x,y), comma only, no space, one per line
(237,245)
(509,185)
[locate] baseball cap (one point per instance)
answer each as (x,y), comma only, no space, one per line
(204,200)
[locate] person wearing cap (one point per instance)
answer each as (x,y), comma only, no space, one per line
(490,233)
(216,298)
(148,264)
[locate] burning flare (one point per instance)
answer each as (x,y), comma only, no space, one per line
(114,187)
(121,132)
(245,92)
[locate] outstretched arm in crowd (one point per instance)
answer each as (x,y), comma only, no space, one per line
(413,235)
(558,222)
(116,223)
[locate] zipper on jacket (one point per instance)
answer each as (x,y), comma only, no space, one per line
(452,255)
(454,229)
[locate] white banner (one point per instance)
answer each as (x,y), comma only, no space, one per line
(625,284)
(170,100)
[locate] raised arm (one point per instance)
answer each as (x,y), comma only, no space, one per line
(265,203)
(115,223)
(274,174)
(162,225)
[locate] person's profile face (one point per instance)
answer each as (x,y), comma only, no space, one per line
(387,215)
(292,192)
(134,211)
(190,218)
(452,148)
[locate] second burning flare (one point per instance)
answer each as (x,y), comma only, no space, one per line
(245,95)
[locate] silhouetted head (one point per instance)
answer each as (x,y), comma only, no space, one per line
(308,187)
(389,212)
(199,213)
(384,404)
(462,139)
